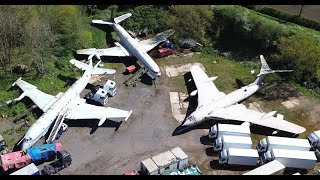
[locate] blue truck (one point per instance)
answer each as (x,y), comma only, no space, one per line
(43,153)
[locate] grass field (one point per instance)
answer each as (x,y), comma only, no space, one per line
(308,11)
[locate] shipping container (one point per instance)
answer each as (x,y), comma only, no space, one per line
(165,161)
(148,167)
(272,168)
(182,157)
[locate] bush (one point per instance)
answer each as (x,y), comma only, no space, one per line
(239,29)
(299,52)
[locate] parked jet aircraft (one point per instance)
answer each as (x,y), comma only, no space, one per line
(67,105)
(213,103)
(129,46)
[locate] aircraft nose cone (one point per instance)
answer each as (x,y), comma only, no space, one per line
(187,123)
(25,146)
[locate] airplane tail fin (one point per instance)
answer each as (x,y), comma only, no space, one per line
(116,20)
(265,69)
(94,69)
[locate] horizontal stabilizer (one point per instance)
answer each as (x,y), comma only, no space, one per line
(102,22)
(79,64)
(121,18)
(103,71)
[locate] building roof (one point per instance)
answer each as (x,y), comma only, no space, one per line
(179,153)
(150,165)
(164,158)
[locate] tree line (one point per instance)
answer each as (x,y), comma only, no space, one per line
(35,35)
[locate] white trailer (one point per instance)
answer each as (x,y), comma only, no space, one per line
(275,142)
(228,141)
(292,159)
(228,129)
(237,156)
(272,168)
(314,139)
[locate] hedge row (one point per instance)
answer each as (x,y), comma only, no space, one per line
(290,18)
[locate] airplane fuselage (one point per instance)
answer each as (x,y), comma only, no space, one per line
(133,47)
(200,114)
(62,103)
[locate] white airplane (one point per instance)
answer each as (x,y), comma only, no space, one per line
(67,105)
(129,46)
(215,104)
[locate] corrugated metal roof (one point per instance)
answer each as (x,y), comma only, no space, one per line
(164,158)
(150,165)
(179,153)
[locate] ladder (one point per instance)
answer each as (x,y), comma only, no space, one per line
(136,75)
(56,127)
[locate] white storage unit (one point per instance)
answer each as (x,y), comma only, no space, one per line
(149,167)
(165,161)
(182,158)
(272,168)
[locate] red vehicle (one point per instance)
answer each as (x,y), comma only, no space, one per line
(131,172)
(17,160)
(164,52)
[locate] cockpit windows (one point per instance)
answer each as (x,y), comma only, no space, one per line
(28,139)
(191,118)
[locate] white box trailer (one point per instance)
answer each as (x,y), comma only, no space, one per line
(231,141)
(292,159)
(314,139)
(182,158)
(266,144)
(228,129)
(237,156)
(272,168)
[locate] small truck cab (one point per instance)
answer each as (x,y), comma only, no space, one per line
(101,96)
(110,87)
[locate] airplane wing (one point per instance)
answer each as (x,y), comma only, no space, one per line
(117,51)
(149,44)
(87,111)
(207,91)
(240,112)
(41,99)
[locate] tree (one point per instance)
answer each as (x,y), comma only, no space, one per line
(10,33)
(299,52)
(190,21)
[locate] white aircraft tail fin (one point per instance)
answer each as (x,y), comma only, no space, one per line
(265,69)
(116,20)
